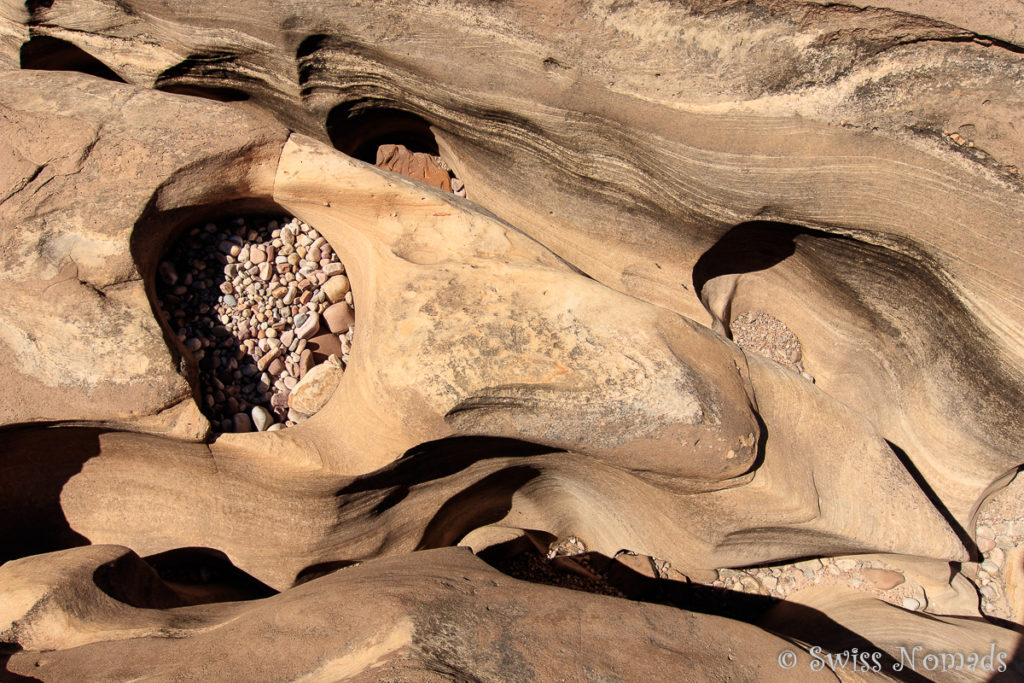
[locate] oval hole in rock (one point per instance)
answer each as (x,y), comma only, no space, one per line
(53,54)
(394,140)
(261,307)
(205,575)
(358,129)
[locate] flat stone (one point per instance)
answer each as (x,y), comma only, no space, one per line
(276,367)
(416,165)
(323,346)
(883,579)
(338,317)
(315,388)
(333,269)
(257,255)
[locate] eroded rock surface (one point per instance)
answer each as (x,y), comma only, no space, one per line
(547,367)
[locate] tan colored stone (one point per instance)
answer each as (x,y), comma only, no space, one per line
(315,388)
(883,579)
(322,346)
(336,288)
(339,317)
(416,165)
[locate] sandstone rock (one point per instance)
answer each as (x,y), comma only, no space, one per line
(416,165)
(315,388)
(883,579)
(336,288)
(316,629)
(322,346)
(338,317)
(598,402)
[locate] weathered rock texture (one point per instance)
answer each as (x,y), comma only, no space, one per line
(548,359)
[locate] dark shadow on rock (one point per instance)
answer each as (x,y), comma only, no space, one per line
(359,128)
(1014,667)
(53,54)
(596,573)
(936,502)
(6,675)
(485,502)
(435,460)
(315,571)
(130,580)
(201,576)
(185,306)
(36,463)
(216,93)
(746,248)
(214,76)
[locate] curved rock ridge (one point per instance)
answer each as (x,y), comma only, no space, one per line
(416,616)
(851,132)
(545,356)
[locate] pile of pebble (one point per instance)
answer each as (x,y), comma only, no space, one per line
(1000,535)
(883,581)
(258,302)
(768,336)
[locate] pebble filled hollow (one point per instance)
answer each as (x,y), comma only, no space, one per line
(263,305)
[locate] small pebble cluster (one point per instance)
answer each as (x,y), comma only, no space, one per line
(1000,537)
(768,336)
(250,299)
(871,576)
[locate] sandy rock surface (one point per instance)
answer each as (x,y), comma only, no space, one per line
(698,326)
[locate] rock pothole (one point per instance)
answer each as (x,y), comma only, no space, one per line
(263,306)
(768,336)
